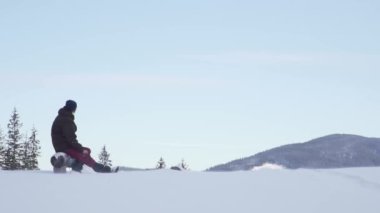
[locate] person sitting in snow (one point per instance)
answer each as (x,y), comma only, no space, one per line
(63,134)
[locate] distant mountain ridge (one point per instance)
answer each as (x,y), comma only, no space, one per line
(332,151)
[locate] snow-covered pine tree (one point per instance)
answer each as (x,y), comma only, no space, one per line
(13,150)
(104,157)
(161,164)
(184,165)
(33,150)
(181,166)
(2,149)
(30,151)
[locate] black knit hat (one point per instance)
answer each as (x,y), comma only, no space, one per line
(71,105)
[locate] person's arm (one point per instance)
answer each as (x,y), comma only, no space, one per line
(71,137)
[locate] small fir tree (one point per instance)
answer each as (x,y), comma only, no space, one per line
(181,166)
(13,153)
(161,164)
(34,149)
(184,165)
(104,157)
(31,151)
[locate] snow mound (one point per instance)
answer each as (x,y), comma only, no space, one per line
(268,166)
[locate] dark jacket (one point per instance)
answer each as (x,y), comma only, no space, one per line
(63,132)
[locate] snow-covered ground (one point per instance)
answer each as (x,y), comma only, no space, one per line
(264,191)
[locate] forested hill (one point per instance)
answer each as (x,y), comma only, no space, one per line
(333,151)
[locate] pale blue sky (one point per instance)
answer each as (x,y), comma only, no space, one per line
(207,81)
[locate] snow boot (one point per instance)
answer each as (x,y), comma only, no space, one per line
(77,166)
(57,162)
(101,168)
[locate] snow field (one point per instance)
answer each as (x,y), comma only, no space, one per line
(165,191)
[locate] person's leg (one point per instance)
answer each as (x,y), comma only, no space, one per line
(82,158)
(88,160)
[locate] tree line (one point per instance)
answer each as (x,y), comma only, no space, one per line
(18,151)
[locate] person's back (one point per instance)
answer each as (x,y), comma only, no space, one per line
(63,131)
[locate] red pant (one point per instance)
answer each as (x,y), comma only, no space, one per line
(83,158)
